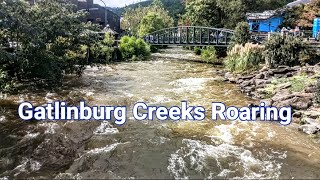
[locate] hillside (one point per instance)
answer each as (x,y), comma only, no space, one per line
(175,7)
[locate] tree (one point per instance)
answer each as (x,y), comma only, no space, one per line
(281,50)
(241,34)
(133,17)
(175,8)
(303,15)
(150,23)
(41,43)
(102,50)
(222,13)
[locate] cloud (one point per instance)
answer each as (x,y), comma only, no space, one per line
(117,3)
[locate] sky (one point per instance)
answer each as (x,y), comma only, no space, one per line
(117,3)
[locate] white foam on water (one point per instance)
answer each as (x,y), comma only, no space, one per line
(105,129)
(35,165)
(2,118)
(68,176)
(189,84)
(226,133)
(160,99)
(127,94)
(159,140)
(95,151)
(222,161)
(89,94)
(31,135)
(50,97)
(4,178)
(27,165)
(51,128)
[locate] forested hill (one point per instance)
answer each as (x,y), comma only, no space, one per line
(175,7)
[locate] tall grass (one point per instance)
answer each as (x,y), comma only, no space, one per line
(245,58)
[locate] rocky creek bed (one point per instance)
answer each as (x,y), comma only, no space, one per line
(286,86)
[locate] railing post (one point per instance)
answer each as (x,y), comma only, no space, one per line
(162,37)
(208,36)
(226,38)
(169,36)
(158,41)
(194,35)
(180,34)
(187,40)
(217,37)
(200,35)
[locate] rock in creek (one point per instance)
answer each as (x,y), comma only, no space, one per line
(309,129)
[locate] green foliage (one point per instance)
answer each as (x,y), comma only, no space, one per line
(133,48)
(154,49)
(41,43)
(284,50)
(175,8)
(142,20)
(302,15)
(102,51)
(197,50)
(241,34)
(150,23)
(296,83)
(209,55)
(244,58)
(223,13)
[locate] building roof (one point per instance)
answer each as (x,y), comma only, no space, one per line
(109,30)
(268,14)
(298,2)
(264,15)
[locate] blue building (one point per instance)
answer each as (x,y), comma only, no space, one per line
(268,21)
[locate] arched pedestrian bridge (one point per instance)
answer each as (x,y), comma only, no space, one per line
(191,36)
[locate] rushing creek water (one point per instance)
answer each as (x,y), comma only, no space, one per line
(151,149)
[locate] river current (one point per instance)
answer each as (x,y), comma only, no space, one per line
(151,149)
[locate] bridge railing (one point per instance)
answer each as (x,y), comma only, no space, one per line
(190,35)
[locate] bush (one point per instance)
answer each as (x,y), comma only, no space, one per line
(244,58)
(209,55)
(132,47)
(281,50)
(241,34)
(154,49)
(197,50)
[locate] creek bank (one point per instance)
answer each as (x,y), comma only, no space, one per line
(286,86)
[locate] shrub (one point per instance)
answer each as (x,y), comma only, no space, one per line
(241,34)
(154,49)
(132,47)
(244,58)
(141,48)
(209,55)
(197,50)
(281,50)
